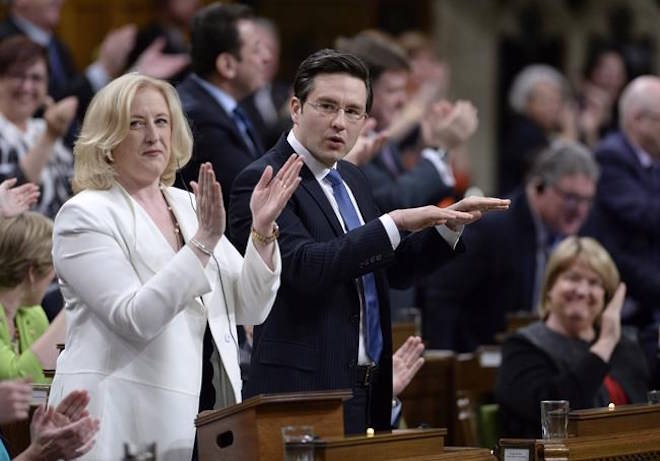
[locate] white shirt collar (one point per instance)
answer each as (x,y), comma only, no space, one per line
(222,97)
(34,32)
(644,158)
(318,169)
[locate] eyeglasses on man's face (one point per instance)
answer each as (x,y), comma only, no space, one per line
(330,109)
(573,199)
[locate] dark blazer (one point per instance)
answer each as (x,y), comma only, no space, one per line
(217,139)
(398,189)
(310,339)
(626,219)
(465,305)
(76,84)
(539,364)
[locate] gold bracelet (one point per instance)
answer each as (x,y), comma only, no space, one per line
(266,239)
(201,247)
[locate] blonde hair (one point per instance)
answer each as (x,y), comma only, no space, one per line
(586,251)
(107,123)
(25,241)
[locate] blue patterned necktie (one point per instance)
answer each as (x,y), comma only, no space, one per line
(351,221)
(247,131)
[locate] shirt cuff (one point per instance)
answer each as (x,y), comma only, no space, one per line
(391,229)
(396,412)
(97,76)
(438,159)
(450,236)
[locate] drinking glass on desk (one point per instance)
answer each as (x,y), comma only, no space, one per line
(298,443)
(554,419)
(653,396)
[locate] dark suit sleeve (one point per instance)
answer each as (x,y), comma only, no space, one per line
(212,144)
(621,194)
(417,187)
(528,375)
(78,84)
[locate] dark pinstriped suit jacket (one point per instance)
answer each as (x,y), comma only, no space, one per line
(310,339)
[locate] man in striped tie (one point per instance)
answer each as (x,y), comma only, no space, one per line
(330,326)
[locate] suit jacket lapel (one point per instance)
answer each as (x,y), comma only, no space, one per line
(360,192)
(311,185)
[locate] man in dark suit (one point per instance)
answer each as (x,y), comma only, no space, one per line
(330,325)
(627,210)
(228,64)
(465,305)
(38,20)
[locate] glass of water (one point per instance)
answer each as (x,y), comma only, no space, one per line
(298,443)
(554,419)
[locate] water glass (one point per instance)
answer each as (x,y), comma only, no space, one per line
(653,396)
(554,419)
(298,443)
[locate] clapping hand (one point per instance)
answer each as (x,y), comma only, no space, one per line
(610,322)
(15,200)
(610,325)
(367,145)
(59,115)
(449,125)
(415,219)
(406,362)
(15,396)
(477,206)
(271,194)
(210,208)
(54,436)
(155,63)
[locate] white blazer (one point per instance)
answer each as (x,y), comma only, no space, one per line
(135,320)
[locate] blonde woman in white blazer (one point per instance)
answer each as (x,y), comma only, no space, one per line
(143,267)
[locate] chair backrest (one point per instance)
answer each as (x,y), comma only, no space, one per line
(475,375)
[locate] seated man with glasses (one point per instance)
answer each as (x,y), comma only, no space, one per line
(330,325)
(502,269)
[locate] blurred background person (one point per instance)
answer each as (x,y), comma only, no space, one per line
(626,216)
(604,77)
(28,344)
(171,29)
(136,337)
(501,271)
(229,63)
(38,20)
(31,149)
(577,352)
(393,185)
(543,110)
(267,107)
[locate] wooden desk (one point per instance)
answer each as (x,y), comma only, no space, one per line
(428,399)
(412,444)
(629,432)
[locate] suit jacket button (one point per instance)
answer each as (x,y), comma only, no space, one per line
(227,337)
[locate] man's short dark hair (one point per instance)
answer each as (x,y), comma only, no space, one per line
(328,61)
(378,51)
(215,31)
